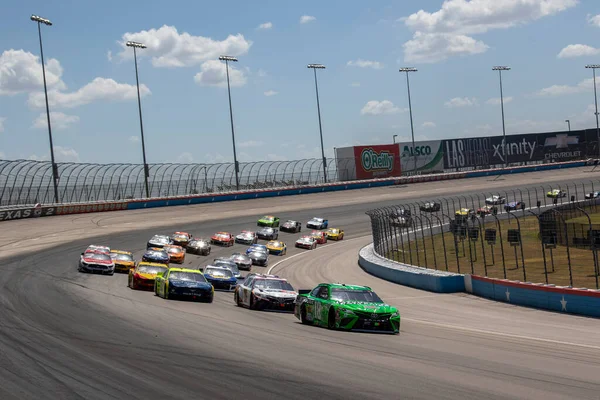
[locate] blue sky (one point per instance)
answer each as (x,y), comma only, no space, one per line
(363,97)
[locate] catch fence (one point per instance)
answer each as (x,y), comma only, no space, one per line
(545,234)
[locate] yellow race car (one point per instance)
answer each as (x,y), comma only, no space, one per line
(277,247)
(335,234)
(176,253)
(123,260)
(142,277)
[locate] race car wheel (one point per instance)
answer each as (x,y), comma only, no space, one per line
(210,299)
(252,306)
(132,284)
(236,298)
(303,315)
(331,318)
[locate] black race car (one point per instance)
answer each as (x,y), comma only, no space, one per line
(259,257)
(198,246)
(268,234)
(242,260)
(291,226)
(401,218)
(430,206)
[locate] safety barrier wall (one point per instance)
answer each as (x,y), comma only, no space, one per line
(13,213)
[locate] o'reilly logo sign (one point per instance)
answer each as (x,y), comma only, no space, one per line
(373,161)
(409,151)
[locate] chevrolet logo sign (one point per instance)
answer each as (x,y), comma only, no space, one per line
(561,141)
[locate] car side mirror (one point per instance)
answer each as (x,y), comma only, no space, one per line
(82,253)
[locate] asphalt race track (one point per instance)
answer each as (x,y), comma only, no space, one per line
(76,336)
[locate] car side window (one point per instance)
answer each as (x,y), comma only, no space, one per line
(315,292)
(323,293)
(249,281)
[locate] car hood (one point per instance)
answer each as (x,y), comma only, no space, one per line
(145,275)
(189,284)
(277,292)
(369,307)
(219,278)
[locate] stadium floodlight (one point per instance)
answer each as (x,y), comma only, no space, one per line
(55,178)
(501,68)
(593,68)
(412,129)
(136,45)
(315,67)
(236,167)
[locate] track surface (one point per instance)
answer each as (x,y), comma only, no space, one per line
(69,335)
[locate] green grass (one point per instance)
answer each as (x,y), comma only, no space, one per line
(430,250)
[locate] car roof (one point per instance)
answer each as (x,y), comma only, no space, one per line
(344,286)
(195,271)
(222,233)
(121,252)
(291,220)
(152,264)
(181,233)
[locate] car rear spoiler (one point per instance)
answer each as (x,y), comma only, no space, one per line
(304,291)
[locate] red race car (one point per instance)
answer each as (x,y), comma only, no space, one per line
(223,239)
(320,236)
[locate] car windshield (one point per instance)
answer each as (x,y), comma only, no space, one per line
(267,230)
(290,223)
(230,265)
(198,243)
(222,235)
(247,234)
(332,230)
(174,250)
(220,272)
(97,256)
(123,257)
(256,254)
(276,244)
(180,237)
(187,276)
(317,220)
(274,284)
(361,295)
(160,239)
(151,269)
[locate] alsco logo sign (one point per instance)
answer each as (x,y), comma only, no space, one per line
(416,151)
(373,161)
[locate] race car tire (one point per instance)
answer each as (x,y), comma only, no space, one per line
(331,318)
(252,305)
(236,298)
(210,299)
(303,319)
(132,284)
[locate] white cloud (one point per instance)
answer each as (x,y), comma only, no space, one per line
(266,25)
(250,143)
(461,102)
(271,93)
(428,124)
(594,20)
(185,158)
(61,154)
(435,47)
(261,73)
(578,50)
(355,84)
(306,19)
(2,120)
(59,121)
(98,89)
(217,158)
(558,90)
(365,64)
(446,32)
(134,139)
(169,48)
(213,73)
(109,55)
(375,107)
(496,100)
(276,157)
(21,71)
(2,156)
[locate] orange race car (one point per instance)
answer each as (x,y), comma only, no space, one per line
(320,236)
(123,260)
(223,239)
(176,253)
(181,238)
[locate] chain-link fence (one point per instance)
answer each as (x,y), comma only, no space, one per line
(548,234)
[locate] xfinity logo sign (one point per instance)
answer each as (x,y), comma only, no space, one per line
(526,148)
(371,160)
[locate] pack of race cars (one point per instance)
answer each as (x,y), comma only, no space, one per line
(334,306)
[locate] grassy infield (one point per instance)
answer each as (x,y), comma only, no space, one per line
(582,262)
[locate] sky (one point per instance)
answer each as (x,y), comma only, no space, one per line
(454,44)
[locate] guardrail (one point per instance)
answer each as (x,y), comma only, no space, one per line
(39,210)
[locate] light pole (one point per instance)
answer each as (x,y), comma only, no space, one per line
(235,163)
(136,45)
(45,21)
(315,67)
(593,67)
(568,124)
(394,138)
(412,130)
(500,69)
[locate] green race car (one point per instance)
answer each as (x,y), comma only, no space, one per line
(346,307)
(269,220)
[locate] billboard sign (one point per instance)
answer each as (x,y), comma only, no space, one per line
(429,156)
(377,161)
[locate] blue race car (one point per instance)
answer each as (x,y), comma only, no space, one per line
(257,247)
(156,255)
(220,278)
(514,205)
